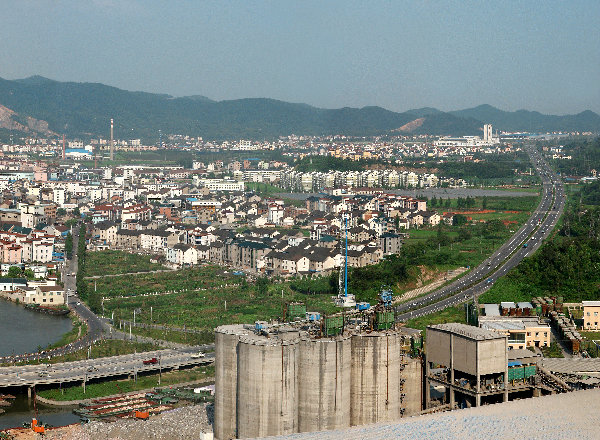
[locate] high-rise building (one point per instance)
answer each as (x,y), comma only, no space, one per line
(487,132)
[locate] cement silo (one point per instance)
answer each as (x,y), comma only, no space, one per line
(413,386)
(267,385)
(324,383)
(376,386)
(226,341)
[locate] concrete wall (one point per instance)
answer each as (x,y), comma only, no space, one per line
(438,347)
(376,372)
(324,384)
(413,386)
(465,354)
(267,388)
(225,383)
(492,356)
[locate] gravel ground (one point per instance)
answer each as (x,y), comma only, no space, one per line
(566,416)
(181,423)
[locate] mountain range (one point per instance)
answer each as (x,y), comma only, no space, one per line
(38,105)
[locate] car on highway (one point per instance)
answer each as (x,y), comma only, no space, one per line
(198,355)
(150,361)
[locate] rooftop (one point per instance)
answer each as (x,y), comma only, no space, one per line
(468,331)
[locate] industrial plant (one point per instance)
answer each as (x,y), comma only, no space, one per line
(315,373)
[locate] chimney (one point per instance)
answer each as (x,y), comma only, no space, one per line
(112,142)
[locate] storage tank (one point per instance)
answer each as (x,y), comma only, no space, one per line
(226,341)
(376,384)
(267,385)
(324,383)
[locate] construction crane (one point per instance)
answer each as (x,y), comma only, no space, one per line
(344,299)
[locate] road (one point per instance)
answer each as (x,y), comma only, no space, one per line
(522,244)
(115,366)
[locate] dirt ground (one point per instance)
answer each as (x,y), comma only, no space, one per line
(182,423)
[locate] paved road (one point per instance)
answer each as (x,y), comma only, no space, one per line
(522,244)
(130,364)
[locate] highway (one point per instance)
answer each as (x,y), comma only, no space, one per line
(116,366)
(522,244)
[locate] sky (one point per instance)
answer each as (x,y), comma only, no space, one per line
(400,55)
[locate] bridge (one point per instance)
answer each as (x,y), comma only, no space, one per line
(107,367)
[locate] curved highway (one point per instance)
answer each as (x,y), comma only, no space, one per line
(523,243)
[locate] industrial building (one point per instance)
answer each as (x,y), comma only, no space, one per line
(474,366)
(314,375)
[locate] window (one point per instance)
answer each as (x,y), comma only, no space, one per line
(588,313)
(595,313)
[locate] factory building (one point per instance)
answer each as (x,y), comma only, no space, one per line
(473,366)
(314,375)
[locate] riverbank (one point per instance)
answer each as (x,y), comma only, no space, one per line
(183,423)
(67,403)
(177,378)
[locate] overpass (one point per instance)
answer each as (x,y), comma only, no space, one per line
(106,367)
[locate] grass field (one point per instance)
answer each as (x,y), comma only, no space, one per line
(109,388)
(117,262)
(205,297)
(451,314)
(79,329)
(205,336)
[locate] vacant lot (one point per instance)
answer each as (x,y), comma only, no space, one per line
(202,298)
(116,262)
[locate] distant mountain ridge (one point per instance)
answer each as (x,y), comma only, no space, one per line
(84,110)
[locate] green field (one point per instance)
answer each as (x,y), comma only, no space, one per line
(202,298)
(451,314)
(110,262)
(144,382)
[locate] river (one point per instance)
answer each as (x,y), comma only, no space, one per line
(23,331)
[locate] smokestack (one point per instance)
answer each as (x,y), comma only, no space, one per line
(112,142)
(63,151)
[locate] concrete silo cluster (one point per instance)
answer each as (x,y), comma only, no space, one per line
(287,378)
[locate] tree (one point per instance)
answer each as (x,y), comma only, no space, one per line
(76,212)
(15,272)
(262,285)
(484,203)
(61,211)
(29,274)
(459,220)
(69,245)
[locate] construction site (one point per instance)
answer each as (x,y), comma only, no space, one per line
(315,373)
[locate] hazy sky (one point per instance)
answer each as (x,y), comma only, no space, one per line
(538,55)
